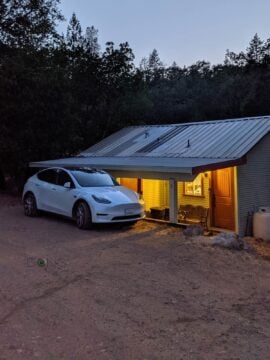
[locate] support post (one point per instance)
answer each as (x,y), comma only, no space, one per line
(173,201)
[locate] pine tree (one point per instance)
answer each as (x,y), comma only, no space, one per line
(152,67)
(91,44)
(74,38)
(154,62)
(254,53)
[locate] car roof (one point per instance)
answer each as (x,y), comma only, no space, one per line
(70,168)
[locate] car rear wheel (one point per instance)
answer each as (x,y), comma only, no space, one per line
(83,216)
(30,205)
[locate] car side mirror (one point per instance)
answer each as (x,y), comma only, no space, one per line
(67,185)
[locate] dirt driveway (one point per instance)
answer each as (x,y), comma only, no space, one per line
(126,293)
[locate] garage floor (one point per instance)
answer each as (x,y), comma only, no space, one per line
(126,293)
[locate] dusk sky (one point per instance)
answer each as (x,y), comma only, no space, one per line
(181,30)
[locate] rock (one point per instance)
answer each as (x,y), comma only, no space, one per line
(193,230)
(229,241)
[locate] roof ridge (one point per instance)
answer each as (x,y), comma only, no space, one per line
(202,122)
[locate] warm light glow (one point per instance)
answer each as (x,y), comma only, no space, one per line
(195,187)
(155,193)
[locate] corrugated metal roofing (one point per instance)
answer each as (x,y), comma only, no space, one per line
(127,141)
(180,149)
(221,139)
(163,139)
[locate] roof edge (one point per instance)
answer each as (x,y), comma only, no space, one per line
(199,122)
(220,165)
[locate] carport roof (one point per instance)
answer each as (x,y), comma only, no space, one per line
(186,148)
(186,166)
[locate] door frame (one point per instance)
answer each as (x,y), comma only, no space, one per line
(234,198)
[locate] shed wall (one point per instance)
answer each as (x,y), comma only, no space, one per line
(195,200)
(254,181)
(155,193)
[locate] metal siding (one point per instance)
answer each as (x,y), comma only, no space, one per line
(253,181)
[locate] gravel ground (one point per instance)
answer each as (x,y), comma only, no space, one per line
(141,293)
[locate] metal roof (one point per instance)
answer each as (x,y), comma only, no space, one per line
(221,139)
(186,148)
(133,164)
(181,169)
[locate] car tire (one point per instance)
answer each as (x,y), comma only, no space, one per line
(30,205)
(83,216)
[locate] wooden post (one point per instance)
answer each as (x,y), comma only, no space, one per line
(173,201)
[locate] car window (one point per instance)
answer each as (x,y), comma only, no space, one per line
(93,178)
(48,175)
(64,177)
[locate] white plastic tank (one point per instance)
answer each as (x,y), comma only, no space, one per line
(261,223)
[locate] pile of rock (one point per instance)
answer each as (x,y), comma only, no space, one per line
(229,241)
(193,230)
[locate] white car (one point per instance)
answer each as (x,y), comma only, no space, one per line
(85,194)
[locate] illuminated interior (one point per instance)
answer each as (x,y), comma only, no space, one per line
(156,192)
(201,198)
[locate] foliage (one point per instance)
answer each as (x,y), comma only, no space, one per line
(59,95)
(28,22)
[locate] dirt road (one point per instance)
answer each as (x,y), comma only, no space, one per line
(126,293)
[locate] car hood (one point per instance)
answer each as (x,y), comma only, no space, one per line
(117,194)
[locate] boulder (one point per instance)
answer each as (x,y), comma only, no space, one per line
(229,241)
(193,230)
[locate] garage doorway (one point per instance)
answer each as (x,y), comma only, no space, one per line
(132,184)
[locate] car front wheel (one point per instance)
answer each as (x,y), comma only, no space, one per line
(30,205)
(83,216)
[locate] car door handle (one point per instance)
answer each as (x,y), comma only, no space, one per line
(53,189)
(37,184)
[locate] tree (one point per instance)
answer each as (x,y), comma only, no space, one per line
(25,23)
(152,67)
(91,45)
(74,38)
(117,70)
(27,36)
(154,62)
(254,54)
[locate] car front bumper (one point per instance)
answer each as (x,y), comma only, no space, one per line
(118,213)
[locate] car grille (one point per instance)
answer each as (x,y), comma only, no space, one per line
(127,217)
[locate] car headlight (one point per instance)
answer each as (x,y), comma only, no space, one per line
(101,200)
(139,196)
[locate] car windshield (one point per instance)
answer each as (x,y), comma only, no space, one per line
(93,178)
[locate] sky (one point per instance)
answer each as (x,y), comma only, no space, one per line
(183,31)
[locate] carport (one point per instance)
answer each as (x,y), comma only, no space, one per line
(171,169)
(220,165)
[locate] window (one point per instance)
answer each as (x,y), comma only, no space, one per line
(93,178)
(64,177)
(48,176)
(194,188)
